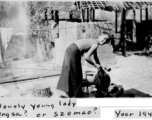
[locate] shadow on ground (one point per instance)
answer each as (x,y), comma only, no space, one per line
(142,53)
(134,93)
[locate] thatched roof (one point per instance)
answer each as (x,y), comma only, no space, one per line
(136,5)
(104,5)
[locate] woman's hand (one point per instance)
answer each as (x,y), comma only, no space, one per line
(98,66)
(107,69)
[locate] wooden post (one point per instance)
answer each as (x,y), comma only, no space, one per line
(123,32)
(141,15)
(92,16)
(1,50)
(52,14)
(146,13)
(116,18)
(71,16)
(56,17)
(82,18)
(134,26)
(83,14)
(89,14)
(86,16)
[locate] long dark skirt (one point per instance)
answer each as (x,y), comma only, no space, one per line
(71,74)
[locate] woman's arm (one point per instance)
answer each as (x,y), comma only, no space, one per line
(98,62)
(96,57)
(88,56)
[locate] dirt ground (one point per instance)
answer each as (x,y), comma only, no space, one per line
(134,71)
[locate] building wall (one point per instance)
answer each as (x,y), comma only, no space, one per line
(72,31)
(67,35)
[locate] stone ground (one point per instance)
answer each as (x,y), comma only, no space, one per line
(134,71)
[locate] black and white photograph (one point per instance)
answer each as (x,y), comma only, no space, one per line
(55,53)
(75,49)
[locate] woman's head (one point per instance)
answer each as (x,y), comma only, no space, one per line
(103,38)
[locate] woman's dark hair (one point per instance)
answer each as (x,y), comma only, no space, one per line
(109,37)
(106,33)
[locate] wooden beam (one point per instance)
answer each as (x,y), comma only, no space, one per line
(140,15)
(98,6)
(81,9)
(101,4)
(132,5)
(116,8)
(123,33)
(56,16)
(146,3)
(90,20)
(116,21)
(146,10)
(92,14)
(88,12)
(77,5)
(137,5)
(89,3)
(81,6)
(106,3)
(2,49)
(125,4)
(134,26)
(112,5)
